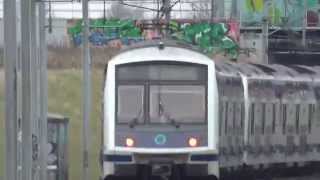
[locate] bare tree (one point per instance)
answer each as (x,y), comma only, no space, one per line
(202,9)
(118,10)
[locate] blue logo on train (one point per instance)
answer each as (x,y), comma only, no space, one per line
(160,139)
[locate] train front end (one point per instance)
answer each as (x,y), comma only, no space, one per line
(160,114)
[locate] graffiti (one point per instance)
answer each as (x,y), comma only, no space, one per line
(254,5)
(105,32)
(210,38)
(280,12)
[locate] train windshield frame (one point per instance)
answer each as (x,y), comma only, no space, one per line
(161,84)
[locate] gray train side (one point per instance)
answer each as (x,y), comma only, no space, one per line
(269,116)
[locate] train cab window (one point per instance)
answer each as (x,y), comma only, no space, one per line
(182,104)
(161,92)
(130,103)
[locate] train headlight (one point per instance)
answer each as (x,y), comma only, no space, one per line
(129,142)
(193,142)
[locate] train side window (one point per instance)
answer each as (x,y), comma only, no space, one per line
(226,117)
(311,115)
(284,118)
(297,118)
(274,119)
(252,118)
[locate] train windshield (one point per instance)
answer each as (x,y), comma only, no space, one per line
(161,92)
(182,104)
(130,103)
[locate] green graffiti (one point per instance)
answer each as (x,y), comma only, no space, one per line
(122,28)
(254,5)
(76,29)
(210,38)
(252,12)
(275,15)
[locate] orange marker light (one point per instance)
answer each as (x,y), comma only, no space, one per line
(129,142)
(193,142)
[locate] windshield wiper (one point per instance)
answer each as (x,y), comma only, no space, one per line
(135,120)
(133,123)
(174,123)
(167,116)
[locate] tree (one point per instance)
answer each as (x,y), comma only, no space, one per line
(121,11)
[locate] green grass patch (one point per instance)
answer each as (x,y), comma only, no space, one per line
(65,98)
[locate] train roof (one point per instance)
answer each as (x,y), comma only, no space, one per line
(270,71)
(251,70)
(160,50)
(157,43)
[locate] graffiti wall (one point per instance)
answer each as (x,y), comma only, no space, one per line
(106,32)
(210,38)
(280,12)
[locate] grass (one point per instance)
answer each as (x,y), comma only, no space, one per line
(65,92)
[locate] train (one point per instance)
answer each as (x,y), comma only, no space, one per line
(171,112)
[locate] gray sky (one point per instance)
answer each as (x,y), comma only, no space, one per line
(73,10)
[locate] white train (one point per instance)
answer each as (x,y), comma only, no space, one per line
(170,111)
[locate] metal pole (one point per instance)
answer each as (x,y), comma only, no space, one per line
(104,10)
(220,9)
(19,95)
(265,34)
(305,23)
(212,10)
(234,10)
(26,46)
(43,92)
(167,16)
(35,86)
(86,89)
(265,40)
(11,59)
(50,17)
(34,91)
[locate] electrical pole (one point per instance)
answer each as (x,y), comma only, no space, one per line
(11,60)
(27,100)
(212,10)
(265,33)
(35,89)
(167,11)
(43,84)
(104,11)
(265,40)
(220,7)
(86,89)
(305,22)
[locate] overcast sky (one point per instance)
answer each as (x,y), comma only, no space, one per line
(73,10)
